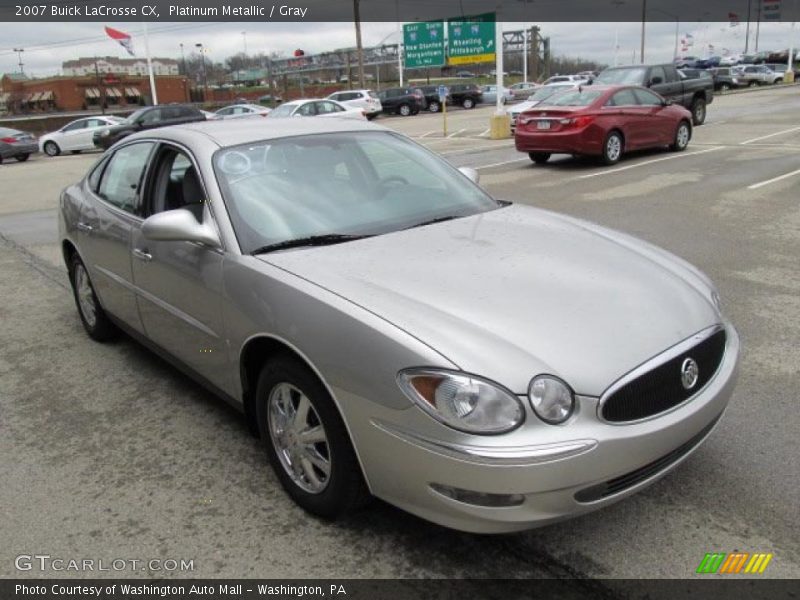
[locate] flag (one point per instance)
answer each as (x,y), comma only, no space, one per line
(689,40)
(734,19)
(123,38)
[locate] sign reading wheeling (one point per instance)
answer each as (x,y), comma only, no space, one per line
(471,39)
(424,44)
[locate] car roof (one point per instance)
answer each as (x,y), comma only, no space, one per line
(238,131)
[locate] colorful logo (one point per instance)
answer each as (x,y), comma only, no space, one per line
(734,563)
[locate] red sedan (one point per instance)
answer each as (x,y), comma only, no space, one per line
(603,121)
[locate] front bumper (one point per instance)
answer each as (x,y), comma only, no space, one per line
(557,470)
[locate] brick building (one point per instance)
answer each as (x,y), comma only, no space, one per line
(86,93)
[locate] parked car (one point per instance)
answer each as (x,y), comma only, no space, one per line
(465,74)
(685,62)
(725,78)
(490,94)
(269,99)
(493,73)
(366,100)
(316,107)
(523,90)
(431,94)
(730,60)
(403,101)
(329,279)
(780,69)
(76,135)
(239,111)
(694,94)
(17,144)
(465,94)
(149,117)
(564,79)
(540,97)
(695,73)
(753,75)
(604,121)
(707,63)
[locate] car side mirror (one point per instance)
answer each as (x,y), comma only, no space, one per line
(471,174)
(668,102)
(179,225)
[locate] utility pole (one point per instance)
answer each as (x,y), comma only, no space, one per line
(19,52)
(747,32)
(183,60)
(644,22)
(205,74)
(359,49)
(524,53)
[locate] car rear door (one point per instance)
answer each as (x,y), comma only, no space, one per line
(83,141)
(627,116)
(111,212)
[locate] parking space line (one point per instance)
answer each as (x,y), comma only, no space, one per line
(764,137)
(455,133)
(426,134)
(649,162)
(497,164)
(755,186)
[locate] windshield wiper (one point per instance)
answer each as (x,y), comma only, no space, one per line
(312,240)
(436,220)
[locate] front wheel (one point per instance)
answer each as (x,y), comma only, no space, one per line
(612,148)
(682,136)
(94,319)
(752,84)
(724,87)
(22,157)
(468,103)
(539,157)
(51,149)
(698,111)
(306,440)
(434,107)
(404,110)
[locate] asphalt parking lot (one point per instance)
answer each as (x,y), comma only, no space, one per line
(106,451)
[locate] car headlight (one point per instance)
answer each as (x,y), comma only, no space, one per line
(105,133)
(551,399)
(462,401)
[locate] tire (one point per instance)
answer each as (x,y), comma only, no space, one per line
(51,148)
(94,319)
(752,84)
(468,103)
(682,136)
(434,107)
(372,116)
(22,157)
(1,159)
(404,110)
(698,111)
(284,385)
(612,148)
(539,157)
(724,87)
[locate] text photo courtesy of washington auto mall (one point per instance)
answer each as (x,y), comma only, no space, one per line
(395,299)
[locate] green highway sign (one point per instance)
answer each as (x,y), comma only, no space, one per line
(471,39)
(424,44)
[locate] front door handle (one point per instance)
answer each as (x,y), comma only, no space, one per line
(142,255)
(84,227)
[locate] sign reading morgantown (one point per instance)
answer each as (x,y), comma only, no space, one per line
(471,39)
(424,44)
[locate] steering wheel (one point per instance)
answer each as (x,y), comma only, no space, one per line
(384,183)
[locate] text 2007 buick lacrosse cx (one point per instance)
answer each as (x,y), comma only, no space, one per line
(390,329)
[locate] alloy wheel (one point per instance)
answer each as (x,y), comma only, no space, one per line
(613,148)
(85,296)
(299,438)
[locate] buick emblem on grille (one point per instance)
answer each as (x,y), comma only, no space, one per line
(689,373)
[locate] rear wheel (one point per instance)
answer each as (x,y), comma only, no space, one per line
(698,111)
(22,157)
(682,136)
(612,148)
(94,319)
(306,440)
(51,148)
(434,107)
(724,87)
(404,110)
(539,157)
(752,84)
(468,103)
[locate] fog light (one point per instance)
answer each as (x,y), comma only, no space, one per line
(478,498)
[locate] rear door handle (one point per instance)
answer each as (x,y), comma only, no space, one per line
(84,227)
(142,255)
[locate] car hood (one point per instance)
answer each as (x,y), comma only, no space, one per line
(519,291)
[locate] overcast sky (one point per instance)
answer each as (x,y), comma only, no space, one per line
(48,44)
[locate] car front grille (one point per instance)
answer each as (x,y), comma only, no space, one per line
(623,482)
(660,389)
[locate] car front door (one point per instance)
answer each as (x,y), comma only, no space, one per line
(659,126)
(71,135)
(179,283)
(111,212)
(83,141)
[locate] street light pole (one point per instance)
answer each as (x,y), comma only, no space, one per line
(205,74)
(359,49)
(19,52)
(183,60)
(644,16)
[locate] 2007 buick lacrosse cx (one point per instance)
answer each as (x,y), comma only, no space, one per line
(391,330)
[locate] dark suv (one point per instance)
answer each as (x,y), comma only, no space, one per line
(465,94)
(149,117)
(402,101)
(431,93)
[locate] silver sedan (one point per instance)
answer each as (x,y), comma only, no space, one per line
(389,329)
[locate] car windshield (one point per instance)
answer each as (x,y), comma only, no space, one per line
(622,76)
(364,183)
(134,116)
(284,110)
(576,98)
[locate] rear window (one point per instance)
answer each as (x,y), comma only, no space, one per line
(576,98)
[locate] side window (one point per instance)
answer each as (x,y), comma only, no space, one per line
(151,117)
(91,123)
(75,126)
(647,98)
(307,110)
(123,176)
(225,111)
(97,172)
(658,73)
(176,184)
(622,98)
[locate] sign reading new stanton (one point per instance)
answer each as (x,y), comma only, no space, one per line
(424,44)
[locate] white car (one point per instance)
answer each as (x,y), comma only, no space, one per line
(366,100)
(316,107)
(564,79)
(729,61)
(77,135)
(238,111)
(541,95)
